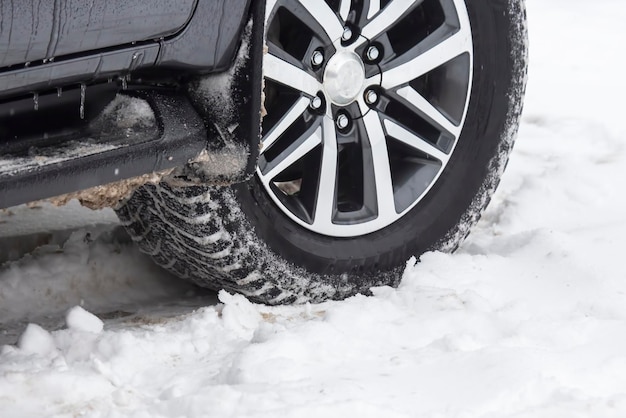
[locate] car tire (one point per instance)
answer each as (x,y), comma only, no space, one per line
(387,133)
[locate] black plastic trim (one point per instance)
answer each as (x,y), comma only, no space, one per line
(80,69)
(210,40)
(252,113)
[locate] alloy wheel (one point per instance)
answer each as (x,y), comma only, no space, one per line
(365,104)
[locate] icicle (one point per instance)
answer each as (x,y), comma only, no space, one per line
(36,100)
(83,90)
(59,91)
(124,83)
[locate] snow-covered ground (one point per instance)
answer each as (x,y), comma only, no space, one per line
(528,319)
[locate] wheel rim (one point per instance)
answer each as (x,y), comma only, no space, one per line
(364,111)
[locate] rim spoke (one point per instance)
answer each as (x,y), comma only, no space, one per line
(387,17)
(324,15)
(401,134)
(423,106)
(294,152)
(287,120)
(374,8)
(380,162)
(325,203)
(288,74)
(344,9)
(453,46)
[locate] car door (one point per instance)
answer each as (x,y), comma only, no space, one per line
(34,30)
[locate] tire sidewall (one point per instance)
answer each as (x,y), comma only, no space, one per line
(448,203)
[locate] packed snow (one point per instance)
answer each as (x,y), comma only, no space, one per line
(527,319)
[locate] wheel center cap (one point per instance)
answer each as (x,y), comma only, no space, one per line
(344,78)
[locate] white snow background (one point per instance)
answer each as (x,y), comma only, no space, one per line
(527,319)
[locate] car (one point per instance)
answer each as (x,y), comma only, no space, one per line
(290,150)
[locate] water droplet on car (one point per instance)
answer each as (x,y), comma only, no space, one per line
(83,91)
(36,100)
(59,91)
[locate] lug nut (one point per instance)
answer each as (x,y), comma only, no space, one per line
(316,102)
(317,58)
(371,97)
(342,121)
(372,53)
(347,34)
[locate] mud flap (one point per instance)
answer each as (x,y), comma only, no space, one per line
(231,103)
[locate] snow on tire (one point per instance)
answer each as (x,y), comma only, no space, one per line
(200,233)
(388,128)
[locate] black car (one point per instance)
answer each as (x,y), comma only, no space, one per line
(290,150)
